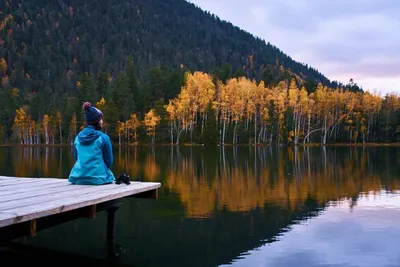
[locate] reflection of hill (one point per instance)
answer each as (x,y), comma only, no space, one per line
(153,239)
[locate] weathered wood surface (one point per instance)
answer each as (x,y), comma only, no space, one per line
(25,199)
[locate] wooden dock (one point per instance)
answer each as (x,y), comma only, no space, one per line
(28,205)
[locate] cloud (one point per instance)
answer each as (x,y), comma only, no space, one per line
(342,39)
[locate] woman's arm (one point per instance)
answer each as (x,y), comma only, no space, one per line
(107,151)
(75,152)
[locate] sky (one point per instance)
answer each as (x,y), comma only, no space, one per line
(358,39)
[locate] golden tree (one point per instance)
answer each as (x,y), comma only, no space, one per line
(305,112)
(132,124)
(279,96)
(372,104)
(120,129)
(151,120)
(171,113)
(254,105)
(204,92)
(294,103)
(20,125)
(184,112)
(45,128)
(32,132)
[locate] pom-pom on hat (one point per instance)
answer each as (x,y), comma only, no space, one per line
(91,113)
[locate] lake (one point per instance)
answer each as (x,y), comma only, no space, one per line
(233,206)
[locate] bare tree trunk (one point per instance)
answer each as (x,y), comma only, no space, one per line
(234,141)
(60,131)
(255,127)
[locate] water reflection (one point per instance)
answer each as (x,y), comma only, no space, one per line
(241,179)
(217,205)
(35,161)
(232,178)
(368,236)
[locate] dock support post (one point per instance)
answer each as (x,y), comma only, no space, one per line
(111,208)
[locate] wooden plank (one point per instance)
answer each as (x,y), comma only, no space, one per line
(29,185)
(17,190)
(37,191)
(74,190)
(2,177)
(6,216)
(53,207)
(5,177)
(16,181)
(22,179)
(8,183)
(77,191)
(35,211)
(11,178)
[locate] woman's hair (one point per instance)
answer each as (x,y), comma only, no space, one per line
(97,126)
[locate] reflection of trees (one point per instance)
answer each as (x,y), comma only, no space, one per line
(37,162)
(193,188)
(138,165)
(34,161)
(233,178)
(151,169)
(285,177)
(126,160)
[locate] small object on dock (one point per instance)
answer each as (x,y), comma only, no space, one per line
(123,178)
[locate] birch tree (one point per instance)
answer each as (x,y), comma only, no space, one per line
(151,120)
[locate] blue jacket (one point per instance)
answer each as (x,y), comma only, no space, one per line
(93,158)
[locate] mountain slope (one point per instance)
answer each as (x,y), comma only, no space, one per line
(49,44)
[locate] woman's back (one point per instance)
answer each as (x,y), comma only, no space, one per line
(92,153)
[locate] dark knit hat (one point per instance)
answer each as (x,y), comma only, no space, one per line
(91,113)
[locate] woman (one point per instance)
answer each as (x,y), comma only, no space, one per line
(92,151)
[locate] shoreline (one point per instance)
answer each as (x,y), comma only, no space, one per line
(218,145)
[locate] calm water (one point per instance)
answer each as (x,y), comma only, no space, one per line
(235,207)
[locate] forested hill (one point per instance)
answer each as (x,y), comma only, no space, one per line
(143,62)
(49,43)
